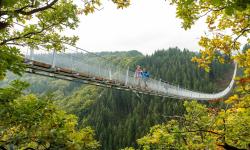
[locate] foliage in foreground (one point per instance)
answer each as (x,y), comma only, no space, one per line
(228,23)
(31,122)
(202,128)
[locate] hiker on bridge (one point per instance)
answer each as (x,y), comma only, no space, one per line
(138,74)
(145,77)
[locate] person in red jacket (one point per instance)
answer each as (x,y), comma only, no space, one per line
(138,74)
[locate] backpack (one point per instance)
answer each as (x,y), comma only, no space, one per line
(146,74)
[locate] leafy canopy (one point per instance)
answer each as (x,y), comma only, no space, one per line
(36,123)
(201,128)
(227,20)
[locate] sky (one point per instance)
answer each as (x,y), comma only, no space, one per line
(146,26)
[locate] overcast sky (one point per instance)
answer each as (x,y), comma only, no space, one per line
(146,25)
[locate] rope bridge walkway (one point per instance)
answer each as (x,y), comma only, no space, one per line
(76,64)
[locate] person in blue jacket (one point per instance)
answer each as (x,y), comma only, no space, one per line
(145,76)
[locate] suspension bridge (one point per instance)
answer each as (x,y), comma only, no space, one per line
(79,65)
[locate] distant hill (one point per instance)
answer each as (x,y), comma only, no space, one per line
(130,53)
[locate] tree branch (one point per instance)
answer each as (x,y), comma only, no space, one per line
(28,35)
(29,148)
(242,32)
(214,9)
(2,148)
(27,13)
(229,147)
(37,9)
(1,1)
(209,131)
(14,43)
(4,25)
(21,9)
(205,13)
